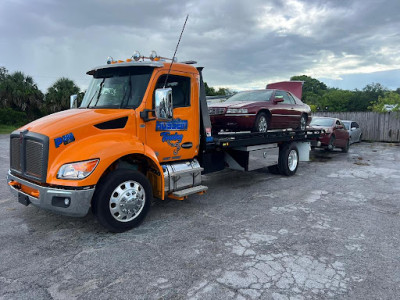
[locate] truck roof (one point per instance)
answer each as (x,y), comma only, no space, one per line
(147,63)
(155,64)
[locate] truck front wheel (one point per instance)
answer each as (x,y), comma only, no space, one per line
(122,200)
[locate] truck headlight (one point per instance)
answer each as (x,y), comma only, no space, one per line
(77,170)
(237,111)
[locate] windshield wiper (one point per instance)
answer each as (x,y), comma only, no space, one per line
(99,92)
(91,99)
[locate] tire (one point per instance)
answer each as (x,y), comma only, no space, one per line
(261,123)
(345,149)
(122,200)
(288,159)
(331,144)
(303,123)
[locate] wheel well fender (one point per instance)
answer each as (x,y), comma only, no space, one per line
(266,111)
(145,163)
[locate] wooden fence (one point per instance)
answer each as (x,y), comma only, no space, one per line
(379,127)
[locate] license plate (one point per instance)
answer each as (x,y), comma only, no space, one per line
(23,199)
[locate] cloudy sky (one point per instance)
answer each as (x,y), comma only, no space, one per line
(241,44)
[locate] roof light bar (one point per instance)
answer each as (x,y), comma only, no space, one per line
(137,57)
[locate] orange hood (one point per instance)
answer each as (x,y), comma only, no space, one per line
(72,120)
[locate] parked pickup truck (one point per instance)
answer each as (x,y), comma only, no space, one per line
(142,131)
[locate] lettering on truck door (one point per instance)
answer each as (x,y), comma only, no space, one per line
(176,139)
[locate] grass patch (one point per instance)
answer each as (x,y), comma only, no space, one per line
(7,129)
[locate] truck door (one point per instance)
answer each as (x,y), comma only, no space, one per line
(176,139)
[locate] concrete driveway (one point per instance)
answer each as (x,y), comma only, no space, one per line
(330,231)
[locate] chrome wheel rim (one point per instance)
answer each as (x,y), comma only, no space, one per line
(303,123)
(262,124)
(293,160)
(127,201)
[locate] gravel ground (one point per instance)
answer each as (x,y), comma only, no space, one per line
(330,231)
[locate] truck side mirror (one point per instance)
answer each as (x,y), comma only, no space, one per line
(163,104)
(73,101)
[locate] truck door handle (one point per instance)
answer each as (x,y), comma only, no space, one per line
(187,145)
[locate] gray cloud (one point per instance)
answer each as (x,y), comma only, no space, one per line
(242,44)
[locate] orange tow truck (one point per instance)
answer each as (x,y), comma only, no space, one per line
(142,131)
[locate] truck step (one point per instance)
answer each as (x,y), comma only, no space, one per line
(187,171)
(190,191)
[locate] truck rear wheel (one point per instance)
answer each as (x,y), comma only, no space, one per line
(288,160)
(122,200)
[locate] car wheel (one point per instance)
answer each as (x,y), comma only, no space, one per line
(303,122)
(345,149)
(331,144)
(122,200)
(288,160)
(261,123)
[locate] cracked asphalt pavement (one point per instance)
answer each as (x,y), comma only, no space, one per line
(329,232)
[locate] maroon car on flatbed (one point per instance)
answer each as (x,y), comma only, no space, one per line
(262,110)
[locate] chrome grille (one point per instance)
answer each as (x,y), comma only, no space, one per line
(15,159)
(34,158)
(216,111)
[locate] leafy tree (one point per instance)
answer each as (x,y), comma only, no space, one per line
(389,98)
(210,91)
(364,99)
(20,93)
(336,100)
(58,95)
(3,73)
(312,88)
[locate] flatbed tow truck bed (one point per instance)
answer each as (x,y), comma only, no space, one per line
(240,139)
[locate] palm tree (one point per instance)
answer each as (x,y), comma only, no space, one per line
(57,96)
(20,93)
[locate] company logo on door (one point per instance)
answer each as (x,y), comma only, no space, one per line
(174,140)
(176,124)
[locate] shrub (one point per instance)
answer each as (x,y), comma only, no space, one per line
(11,117)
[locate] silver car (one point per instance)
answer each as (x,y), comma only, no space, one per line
(354,131)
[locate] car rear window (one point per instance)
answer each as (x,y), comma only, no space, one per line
(322,122)
(251,96)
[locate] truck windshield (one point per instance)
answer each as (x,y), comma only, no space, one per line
(117,88)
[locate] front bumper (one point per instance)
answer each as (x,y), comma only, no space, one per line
(325,139)
(52,198)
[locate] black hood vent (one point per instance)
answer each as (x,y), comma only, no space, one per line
(113,124)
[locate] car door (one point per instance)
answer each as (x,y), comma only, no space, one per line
(283,112)
(296,112)
(357,131)
(341,134)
